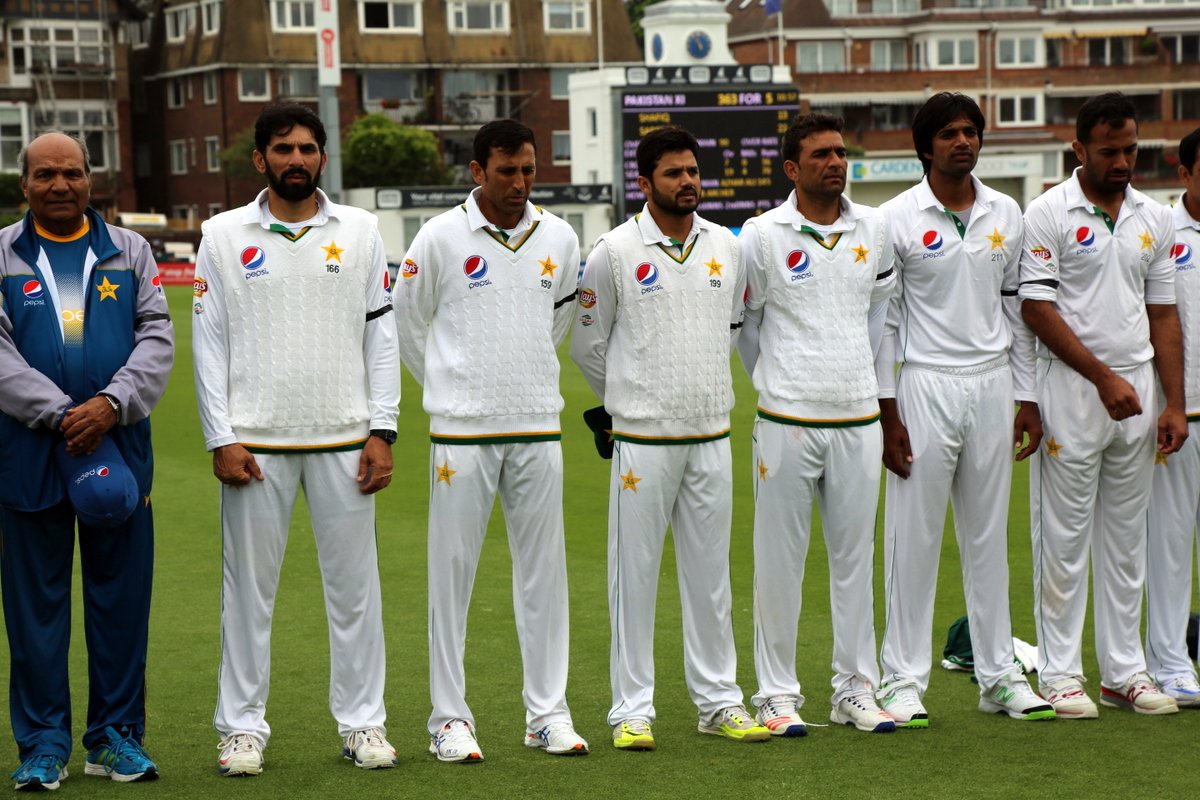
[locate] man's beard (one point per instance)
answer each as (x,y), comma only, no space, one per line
(293,192)
(671,205)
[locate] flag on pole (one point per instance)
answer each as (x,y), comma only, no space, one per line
(772,6)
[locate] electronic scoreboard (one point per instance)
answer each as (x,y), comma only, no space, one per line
(738,128)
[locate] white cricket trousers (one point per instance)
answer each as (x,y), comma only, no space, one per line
(839,469)
(463,483)
(690,487)
(960,424)
(254,526)
(1171,524)
(1089,486)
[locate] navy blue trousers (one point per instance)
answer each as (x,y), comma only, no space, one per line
(37,551)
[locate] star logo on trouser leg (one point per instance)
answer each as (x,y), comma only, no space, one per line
(629,481)
(444,472)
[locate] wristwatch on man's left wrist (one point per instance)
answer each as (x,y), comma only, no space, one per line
(113,402)
(382,433)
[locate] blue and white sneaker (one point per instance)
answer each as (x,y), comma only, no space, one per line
(559,739)
(39,773)
(120,758)
(1185,690)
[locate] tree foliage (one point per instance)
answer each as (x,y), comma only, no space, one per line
(637,10)
(379,152)
(10,190)
(237,157)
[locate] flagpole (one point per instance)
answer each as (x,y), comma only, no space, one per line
(779,18)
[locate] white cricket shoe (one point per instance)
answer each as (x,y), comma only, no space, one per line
(456,743)
(778,715)
(241,754)
(861,711)
(1141,695)
(1012,695)
(1184,690)
(902,700)
(368,749)
(559,739)
(1069,699)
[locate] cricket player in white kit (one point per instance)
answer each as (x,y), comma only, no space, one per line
(819,275)
(1097,285)
(1175,495)
(659,310)
(955,329)
(486,295)
(298,381)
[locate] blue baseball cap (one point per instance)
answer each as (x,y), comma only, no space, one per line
(99,484)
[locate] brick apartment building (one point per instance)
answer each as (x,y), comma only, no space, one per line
(64,65)
(1029,63)
(202,70)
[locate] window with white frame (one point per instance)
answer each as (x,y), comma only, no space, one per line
(380,86)
(469,16)
(1023,109)
(294,16)
(559,82)
(212,153)
(210,17)
(49,47)
(889,55)
(181,212)
(593,124)
(138,33)
(475,96)
(567,15)
(298,82)
(1018,50)
(1182,48)
(209,83)
(395,16)
(1108,51)
(214,209)
(89,120)
(948,53)
(12,136)
(560,147)
(1187,103)
(842,8)
(175,93)
(882,7)
(180,22)
(253,84)
(177,148)
(826,56)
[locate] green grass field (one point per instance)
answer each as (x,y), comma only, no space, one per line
(963,754)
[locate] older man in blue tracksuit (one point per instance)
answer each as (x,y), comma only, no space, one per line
(86,346)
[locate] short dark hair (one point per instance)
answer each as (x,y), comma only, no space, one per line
(1188,146)
(278,119)
(804,125)
(1111,108)
(506,135)
(660,141)
(938,112)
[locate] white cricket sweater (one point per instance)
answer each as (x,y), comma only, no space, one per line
(815,363)
(653,332)
(292,320)
(479,319)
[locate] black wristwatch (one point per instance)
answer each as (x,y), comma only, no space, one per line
(386,435)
